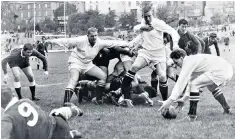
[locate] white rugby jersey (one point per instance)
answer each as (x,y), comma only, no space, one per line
(83,51)
(153,40)
(196,65)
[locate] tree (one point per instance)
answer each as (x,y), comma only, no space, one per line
(166,15)
(217,19)
(37,28)
(110,19)
(47,25)
(82,21)
(69,9)
(127,21)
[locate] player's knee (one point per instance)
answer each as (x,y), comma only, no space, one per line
(162,77)
(194,87)
(135,68)
(16,78)
(30,78)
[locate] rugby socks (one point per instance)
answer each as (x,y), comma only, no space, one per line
(194,99)
(17,86)
(126,84)
(32,89)
(68,94)
(163,87)
(219,96)
(100,90)
(154,80)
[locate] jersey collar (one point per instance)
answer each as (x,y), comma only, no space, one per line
(11,103)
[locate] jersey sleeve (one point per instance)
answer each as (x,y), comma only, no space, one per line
(4,64)
(42,58)
(7,127)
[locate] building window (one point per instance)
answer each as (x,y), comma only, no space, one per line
(39,5)
(46,13)
(45,5)
(168,3)
(28,14)
(28,6)
(39,13)
(175,3)
(129,3)
(21,15)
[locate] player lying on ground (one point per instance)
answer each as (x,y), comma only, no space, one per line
(19,59)
(23,119)
(139,91)
(210,40)
(201,70)
(153,51)
(80,60)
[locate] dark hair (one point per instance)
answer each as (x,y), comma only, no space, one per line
(177,53)
(43,37)
(183,21)
(28,46)
(146,9)
(91,29)
(115,84)
(213,35)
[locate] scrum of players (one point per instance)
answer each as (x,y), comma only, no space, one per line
(157,45)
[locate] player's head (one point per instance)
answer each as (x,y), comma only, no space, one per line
(92,34)
(177,56)
(43,38)
(212,37)
(147,14)
(182,26)
(6,95)
(27,49)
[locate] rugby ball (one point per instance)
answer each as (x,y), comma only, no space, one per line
(169,113)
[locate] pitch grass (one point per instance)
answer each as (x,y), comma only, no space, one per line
(140,122)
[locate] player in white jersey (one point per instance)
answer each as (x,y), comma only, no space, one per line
(153,51)
(80,60)
(198,71)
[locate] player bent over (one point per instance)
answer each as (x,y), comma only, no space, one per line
(211,76)
(210,40)
(80,60)
(23,119)
(19,59)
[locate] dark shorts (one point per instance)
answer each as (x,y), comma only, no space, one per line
(62,129)
(21,64)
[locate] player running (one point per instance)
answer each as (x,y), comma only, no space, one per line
(23,119)
(80,60)
(19,59)
(211,75)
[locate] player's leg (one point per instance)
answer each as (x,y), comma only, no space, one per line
(194,97)
(163,87)
(29,74)
(219,96)
(38,63)
(17,85)
(139,63)
(73,79)
(100,85)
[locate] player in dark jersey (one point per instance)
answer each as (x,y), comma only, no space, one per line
(41,48)
(186,38)
(23,119)
(19,59)
(211,40)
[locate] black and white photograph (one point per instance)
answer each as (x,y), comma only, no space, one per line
(112,69)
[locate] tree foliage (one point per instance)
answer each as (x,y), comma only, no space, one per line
(127,21)
(217,19)
(166,15)
(80,22)
(110,19)
(47,25)
(69,9)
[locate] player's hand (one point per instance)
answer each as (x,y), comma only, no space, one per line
(5,78)
(165,104)
(46,74)
(180,104)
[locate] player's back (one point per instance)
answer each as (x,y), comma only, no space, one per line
(28,121)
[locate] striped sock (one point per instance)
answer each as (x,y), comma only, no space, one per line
(126,84)
(219,96)
(163,87)
(68,94)
(194,99)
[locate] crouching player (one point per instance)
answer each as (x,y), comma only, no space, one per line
(211,76)
(19,59)
(23,119)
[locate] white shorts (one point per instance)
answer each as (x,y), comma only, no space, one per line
(126,58)
(220,77)
(81,67)
(154,57)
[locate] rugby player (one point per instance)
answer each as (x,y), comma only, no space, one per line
(23,119)
(153,51)
(187,38)
(80,60)
(211,76)
(211,40)
(41,47)
(19,59)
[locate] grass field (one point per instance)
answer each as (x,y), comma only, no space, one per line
(140,122)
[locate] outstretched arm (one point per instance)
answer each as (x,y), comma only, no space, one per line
(4,64)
